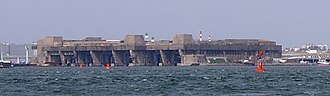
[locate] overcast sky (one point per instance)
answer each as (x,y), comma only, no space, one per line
(288,22)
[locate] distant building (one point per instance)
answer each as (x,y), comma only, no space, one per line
(309,53)
(134,50)
(308,48)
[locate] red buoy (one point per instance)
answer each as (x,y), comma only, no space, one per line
(260,63)
(260,68)
(81,65)
(108,66)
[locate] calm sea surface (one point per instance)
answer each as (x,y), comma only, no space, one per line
(160,81)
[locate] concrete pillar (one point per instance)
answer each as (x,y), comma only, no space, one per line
(95,58)
(181,53)
(116,57)
(62,57)
(143,58)
(167,58)
(101,57)
(41,57)
(75,57)
(49,58)
(163,57)
(133,57)
(46,58)
(80,57)
(121,58)
(139,58)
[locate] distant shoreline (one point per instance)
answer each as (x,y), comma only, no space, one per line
(265,64)
(215,64)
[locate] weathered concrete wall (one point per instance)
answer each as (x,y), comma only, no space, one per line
(189,60)
(183,39)
(136,51)
(134,40)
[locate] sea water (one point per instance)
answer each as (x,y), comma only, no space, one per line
(164,81)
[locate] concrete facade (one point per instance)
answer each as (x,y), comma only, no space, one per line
(135,51)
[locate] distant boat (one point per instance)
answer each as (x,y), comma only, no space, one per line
(282,61)
(248,63)
(323,62)
(6,64)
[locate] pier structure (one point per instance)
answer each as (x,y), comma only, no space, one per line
(134,50)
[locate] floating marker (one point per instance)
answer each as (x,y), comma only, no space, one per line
(81,65)
(260,67)
(108,66)
(260,63)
